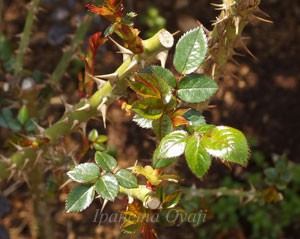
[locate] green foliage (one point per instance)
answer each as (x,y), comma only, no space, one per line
(126,179)
(196,88)
(105,161)
(227,144)
(107,186)
(172,145)
(80,198)
(197,158)
(190,51)
(84,173)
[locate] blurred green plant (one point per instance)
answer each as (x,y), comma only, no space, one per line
(152,20)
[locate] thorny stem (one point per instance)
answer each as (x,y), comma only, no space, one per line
(69,52)
(25,36)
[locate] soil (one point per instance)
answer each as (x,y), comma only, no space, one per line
(258,96)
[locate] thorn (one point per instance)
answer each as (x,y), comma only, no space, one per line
(99,82)
(4,158)
(18,147)
(175,33)
(261,19)
(39,154)
(236,24)
(75,122)
(258,10)
(103,206)
(126,52)
(246,49)
(27,160)
(26,181)
(111,77)
(103,109)
(86,107)
(39,128)
(83,127)
(213,71)
(162,57)
(65,184)
(65,120)
(218,20)
(68,107)
(204,28)
(131,66)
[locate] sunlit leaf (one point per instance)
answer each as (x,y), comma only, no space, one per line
(163,73)
(85,172)
(227,143)
(196,157)
(107,186)
(105,161)
(190,51)
(126,179)
(172,145)
(142,122)
(80,198)
(196,88)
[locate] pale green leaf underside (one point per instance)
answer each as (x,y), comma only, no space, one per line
(80,198)
(84,173)
(142,122)
(196,157)
(107,187)
(172,145)
(190,51)
(228,144)
(196,88)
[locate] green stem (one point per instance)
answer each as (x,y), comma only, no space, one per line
(219,192)
(25,37)
(89,108)
(69,52)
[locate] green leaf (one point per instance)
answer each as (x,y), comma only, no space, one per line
(159,162)
(105,161)
(150,108)
(172,145)
(163,73)
(80,198)
(196,157)
(227,143)
(203,128)
(107,186)
(23,115)
(143,90)
(172,199)
(85,172)
(165,89)
(194,118)
(196,88)
(190,51)
(142,122)
(93,135)
(126,179)
(162,126)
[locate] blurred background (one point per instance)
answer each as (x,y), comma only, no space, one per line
(260,96)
